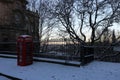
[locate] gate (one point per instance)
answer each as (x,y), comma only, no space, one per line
(87,54)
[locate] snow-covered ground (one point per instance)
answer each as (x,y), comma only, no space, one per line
(48,71)
(3,78)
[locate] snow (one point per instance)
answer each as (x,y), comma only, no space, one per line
(3,78)
(8,55)
(48,71)
(25,36)
(58,60)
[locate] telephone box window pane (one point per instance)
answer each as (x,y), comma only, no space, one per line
(28,51)
(20,51)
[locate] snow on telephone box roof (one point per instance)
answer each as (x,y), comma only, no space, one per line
(25,36)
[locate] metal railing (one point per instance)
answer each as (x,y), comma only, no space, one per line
(64,49)
(10,47)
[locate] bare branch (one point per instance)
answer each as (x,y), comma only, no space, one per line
(81,26)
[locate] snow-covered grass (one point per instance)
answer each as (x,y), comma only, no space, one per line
(48,71)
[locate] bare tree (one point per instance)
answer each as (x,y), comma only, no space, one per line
(32,5)
(46,21)
(113,37)
(95,15)
(64,13)
(115,5)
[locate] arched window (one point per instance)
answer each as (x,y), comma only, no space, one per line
(18,18)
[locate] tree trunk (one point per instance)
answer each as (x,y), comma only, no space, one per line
(93,37)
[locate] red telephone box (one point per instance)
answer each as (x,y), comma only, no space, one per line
(24,50)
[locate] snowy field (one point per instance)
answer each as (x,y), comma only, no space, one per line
(48,71)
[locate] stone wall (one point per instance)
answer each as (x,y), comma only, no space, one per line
(16,20)
(5,13)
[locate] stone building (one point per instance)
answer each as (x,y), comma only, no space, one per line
(16,20)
